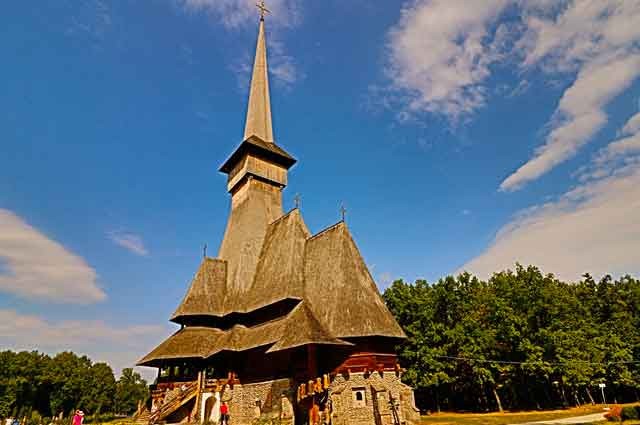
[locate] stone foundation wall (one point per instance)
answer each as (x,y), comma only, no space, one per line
(364,399)
(268,399)
(356,399)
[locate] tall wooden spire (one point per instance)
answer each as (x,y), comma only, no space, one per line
(259,109)
(257,173)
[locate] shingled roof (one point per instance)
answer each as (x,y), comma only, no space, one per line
(280,270)
(290,288)
(297,328)
(339,298)
(257,146)
(339,289)
(205,296)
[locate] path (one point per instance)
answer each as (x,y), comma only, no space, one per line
(587,419)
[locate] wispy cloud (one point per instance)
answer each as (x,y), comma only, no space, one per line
(441,52)
(90,21)
(129,241)
(243,14)
(592,228)
(235,13)
(596,40)
(120,346)
(37,267)
(632,126)
(384,280)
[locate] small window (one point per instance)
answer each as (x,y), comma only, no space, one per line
(359,397)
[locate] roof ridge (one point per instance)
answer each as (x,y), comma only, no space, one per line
(283,216)
(207,258)
(326,229)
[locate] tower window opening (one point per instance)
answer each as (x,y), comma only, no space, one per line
(359,399)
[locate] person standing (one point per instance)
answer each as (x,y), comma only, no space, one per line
(78,418)
(224,414)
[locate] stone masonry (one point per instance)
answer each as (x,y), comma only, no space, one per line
(364,399)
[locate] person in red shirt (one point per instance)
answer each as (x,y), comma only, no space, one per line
(78,418)
(224,414)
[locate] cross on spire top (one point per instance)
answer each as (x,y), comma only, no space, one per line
(263,9)
(343,211)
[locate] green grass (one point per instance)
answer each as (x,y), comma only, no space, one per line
(505,418)
(118,421)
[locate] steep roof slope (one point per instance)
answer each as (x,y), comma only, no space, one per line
(206,292)
(280,270)
(339,289)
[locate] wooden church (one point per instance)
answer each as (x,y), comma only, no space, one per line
(283,326)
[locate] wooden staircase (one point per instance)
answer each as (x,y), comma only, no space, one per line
(173,404)
(142,417)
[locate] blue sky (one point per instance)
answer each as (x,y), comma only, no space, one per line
(459,135)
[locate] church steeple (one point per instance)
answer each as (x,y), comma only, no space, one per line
(258,121)
(256,174)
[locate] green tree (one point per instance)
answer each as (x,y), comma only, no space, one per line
(69,379)
(130,389)
(101,389)
(521,339)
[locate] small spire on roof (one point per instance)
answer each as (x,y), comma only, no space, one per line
(296,200)
(343,211)
(204,251)
(259,109)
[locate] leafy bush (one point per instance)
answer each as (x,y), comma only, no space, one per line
(630,412)
(36,418)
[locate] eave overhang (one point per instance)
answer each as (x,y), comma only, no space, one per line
(258,147)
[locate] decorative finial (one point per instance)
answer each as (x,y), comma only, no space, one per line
(263,9)
(343,211)
(204,251)
(296,200)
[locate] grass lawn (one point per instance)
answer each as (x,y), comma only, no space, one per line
(118,421)
(507,417)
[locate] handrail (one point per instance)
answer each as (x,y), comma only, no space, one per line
(171,405)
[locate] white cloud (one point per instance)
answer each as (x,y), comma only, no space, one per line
(129,241)
(632,126)
(592,228)
(599,41)
(578,117)
(282,66)
(623,152)
(568,34)
(37,267)
(120,346)
(440,52)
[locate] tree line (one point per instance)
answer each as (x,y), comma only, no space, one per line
(37,386)
(519,340)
